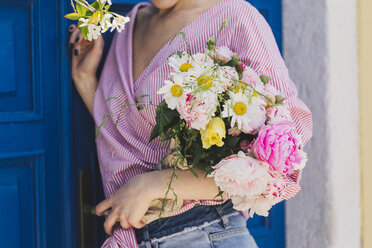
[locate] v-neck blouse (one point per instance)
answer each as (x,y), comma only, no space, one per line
(122,146)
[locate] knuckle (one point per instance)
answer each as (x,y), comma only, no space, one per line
(132,220)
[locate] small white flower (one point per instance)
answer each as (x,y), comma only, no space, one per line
(84,22)
(106,22)
(119,22)
(247,111)
(93,32)
(104,1)
(173,92)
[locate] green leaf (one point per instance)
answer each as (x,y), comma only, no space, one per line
(96,5)
(81,9)
(165,119)
(96,17)
(265,79)
(233,141)
(155,133)
(279,99)
(84,32)
(73,16)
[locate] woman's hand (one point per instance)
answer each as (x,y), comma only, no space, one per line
(128,205)
(85,58)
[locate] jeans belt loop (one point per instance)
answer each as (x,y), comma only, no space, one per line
(146,236)
(224,218)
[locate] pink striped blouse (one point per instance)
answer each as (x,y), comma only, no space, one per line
(124,151)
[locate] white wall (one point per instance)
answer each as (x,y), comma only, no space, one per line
(320,49)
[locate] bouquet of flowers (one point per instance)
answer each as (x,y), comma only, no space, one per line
(95,18)
(224,118)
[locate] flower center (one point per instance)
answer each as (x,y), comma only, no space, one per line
(215,137)
(205,81)
(185,67)
(240,108)
(176,90)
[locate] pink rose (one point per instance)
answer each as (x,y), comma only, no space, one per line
(250,77)
(224,54)
(278,145)
(234,131)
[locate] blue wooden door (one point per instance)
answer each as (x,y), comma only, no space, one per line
(31,198)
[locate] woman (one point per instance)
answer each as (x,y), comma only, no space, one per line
(137,65)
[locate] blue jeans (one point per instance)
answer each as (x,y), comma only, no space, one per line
(202,227)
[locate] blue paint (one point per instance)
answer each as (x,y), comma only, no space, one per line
(30,147)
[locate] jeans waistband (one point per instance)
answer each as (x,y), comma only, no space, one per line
(194,217)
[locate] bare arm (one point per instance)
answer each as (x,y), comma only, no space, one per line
(186,186)
(130,203)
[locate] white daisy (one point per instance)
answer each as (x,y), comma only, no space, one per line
(173,92)
(180,62)
(246,110)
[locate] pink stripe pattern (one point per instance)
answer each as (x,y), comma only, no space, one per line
(124,150)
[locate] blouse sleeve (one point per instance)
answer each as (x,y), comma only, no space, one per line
(254,41)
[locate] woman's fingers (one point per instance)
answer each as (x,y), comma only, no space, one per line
(136,224)
(74,41)
(71,28)
(124,223)
(110,222)
(103,206)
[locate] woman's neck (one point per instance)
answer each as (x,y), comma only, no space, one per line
(182,5)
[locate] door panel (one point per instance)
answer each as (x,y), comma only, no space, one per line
(30,168)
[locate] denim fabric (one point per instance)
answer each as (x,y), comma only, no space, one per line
(202,227)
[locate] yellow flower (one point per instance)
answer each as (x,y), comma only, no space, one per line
(214,133)
(205,81)
(176,90)
(185,67)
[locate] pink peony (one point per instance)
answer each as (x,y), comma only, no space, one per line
(259,205)
(276,186)
(278,146)
(241,175)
